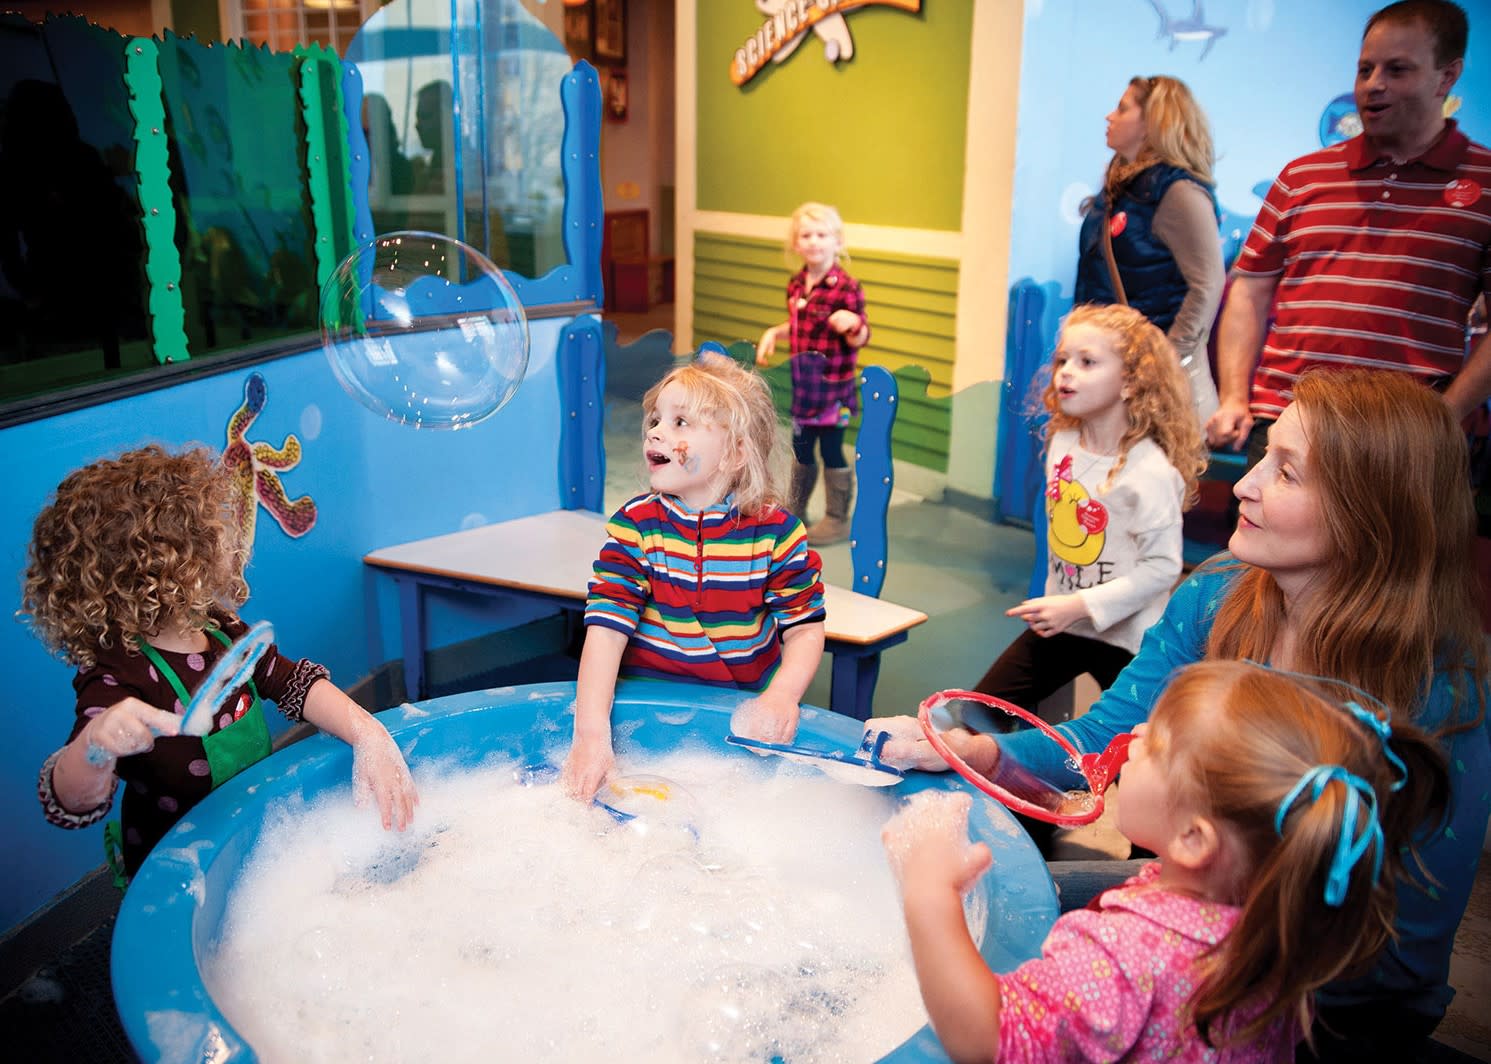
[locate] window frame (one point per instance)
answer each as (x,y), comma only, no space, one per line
(231,15)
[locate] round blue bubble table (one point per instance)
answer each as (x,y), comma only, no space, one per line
(173,913)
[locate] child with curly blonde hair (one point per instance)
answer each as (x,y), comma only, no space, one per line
(134,575)
(705,578)
(1123,455)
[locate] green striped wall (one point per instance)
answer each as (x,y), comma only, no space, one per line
(739,290)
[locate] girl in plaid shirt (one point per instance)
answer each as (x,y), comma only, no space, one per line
(825,328)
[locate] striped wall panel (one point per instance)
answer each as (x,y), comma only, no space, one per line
(739,286)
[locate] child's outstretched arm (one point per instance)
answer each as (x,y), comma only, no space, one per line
(83,774)
(773,714)
(767,345)
(378,769)
(591,756)
(927,843)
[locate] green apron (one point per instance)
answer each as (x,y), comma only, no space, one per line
(229,751)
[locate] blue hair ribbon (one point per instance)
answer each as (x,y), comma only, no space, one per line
(1383,730)
(1350,848)
(1380,726)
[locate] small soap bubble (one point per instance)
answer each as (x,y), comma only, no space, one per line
(424,330)
(536,774)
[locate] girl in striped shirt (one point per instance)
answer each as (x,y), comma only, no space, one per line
(706,577)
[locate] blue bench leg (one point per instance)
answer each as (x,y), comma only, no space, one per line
(852,689)
(411,613)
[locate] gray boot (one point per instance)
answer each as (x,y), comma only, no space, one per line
(838,485)
(803,479)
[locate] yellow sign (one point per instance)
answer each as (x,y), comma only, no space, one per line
(787,22)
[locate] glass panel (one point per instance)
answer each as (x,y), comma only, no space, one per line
(508,197)
(248,266)
(72,297)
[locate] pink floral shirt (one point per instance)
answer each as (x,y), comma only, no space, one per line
(1112,984)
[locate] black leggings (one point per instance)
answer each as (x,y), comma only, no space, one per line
(830,441)
(1034,667)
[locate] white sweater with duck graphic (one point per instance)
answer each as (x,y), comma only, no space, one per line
(1116,545)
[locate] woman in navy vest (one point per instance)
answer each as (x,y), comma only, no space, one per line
(1159,204)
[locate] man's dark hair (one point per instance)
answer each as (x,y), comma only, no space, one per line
(1445,21)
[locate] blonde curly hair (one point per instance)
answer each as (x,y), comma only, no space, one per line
(130,545)
(738,400)
(1159,400)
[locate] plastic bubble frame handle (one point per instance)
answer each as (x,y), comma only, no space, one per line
(231,672)
(863,766)
(1098,770)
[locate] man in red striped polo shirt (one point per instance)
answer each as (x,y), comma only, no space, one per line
(1368,253)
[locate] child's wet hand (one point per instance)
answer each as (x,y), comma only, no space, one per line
(767,718)
(380,775)
(586,767)
(927,843)
(127,727)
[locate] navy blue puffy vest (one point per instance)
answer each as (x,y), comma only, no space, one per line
(1151,280)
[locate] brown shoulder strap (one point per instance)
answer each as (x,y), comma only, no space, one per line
(1119,295)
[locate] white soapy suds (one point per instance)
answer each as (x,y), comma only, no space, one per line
(624,730)
(756,918)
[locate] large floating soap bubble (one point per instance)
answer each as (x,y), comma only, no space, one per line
(424,330)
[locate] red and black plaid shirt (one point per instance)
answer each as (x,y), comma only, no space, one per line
(820,385)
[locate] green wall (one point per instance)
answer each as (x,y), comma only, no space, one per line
(881,136)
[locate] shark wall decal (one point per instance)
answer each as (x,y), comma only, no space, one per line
(1194,28)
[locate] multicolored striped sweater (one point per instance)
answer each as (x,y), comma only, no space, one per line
(704,595)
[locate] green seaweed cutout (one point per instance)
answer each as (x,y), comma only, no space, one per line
(158,215)
(320,156)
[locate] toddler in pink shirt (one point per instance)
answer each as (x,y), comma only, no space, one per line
(1281,811)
